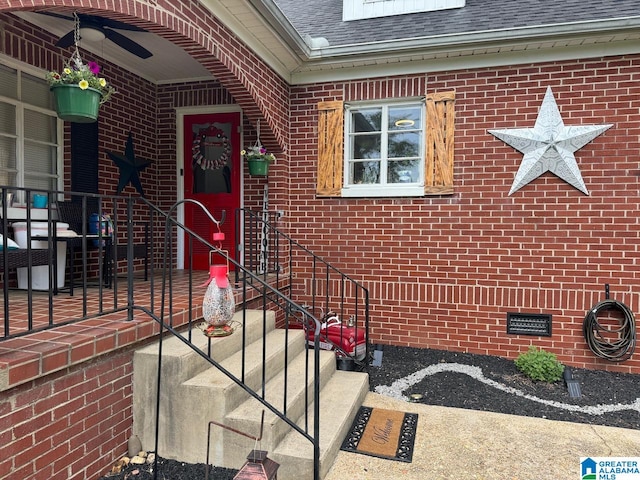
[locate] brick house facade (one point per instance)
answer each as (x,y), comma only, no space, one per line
(443,271)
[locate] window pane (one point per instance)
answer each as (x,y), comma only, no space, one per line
(403,145)
(8,82)
(39,126)
(366,146)
(368,120)
(40,182)
(7,153)
(7,118)
(35,91)
(403,171)
(8,178)
(365,172)
(39,158)
(404,118)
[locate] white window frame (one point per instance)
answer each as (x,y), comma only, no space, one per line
(383,189)
(21,106)
(360,9)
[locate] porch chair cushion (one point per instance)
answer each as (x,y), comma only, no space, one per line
(11,245)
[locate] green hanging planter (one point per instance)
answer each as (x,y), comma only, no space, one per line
(258,168)
(76,105)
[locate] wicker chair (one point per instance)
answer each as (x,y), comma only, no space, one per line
(20,258)
(140,250)
(71,213)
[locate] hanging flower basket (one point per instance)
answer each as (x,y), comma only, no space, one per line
(258,159)
(74,104)
(258,168)
(78,89)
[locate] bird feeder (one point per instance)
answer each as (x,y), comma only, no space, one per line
(218,305)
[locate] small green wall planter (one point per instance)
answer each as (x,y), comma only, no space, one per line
(258,168)
(76,105)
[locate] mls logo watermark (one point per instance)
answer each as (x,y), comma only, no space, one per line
(610,468)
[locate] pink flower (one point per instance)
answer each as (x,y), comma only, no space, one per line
(94,67)
(263,150)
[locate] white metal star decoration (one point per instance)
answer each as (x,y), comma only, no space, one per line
(549,146)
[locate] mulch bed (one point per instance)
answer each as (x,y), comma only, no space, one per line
(454,389)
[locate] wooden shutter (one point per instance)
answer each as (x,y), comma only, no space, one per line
(330,148)
(438,171)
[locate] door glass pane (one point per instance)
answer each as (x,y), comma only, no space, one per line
(8,82)
(40,182)
(39,126)
(7,118)
(8,178)
(7,153)
(211,158)
(39,158)
(35,91)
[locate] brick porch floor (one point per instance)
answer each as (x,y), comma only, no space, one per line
(36,354)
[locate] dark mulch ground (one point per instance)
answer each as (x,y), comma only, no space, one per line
(453,389)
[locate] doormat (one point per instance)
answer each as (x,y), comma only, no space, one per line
(382,433)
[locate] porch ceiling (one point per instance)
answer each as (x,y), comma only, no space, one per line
(246,22)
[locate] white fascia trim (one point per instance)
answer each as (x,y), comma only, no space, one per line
(476,39)
(463,62)
(281,28)
(456,52)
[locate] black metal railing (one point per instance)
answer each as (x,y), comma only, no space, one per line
(273,273)
(340,302)
(270,297)
(70,244)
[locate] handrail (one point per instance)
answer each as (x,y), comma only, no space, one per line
(274,247)
(269,292)
(102,254)
(298,299)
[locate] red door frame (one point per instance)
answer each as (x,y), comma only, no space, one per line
(225,122)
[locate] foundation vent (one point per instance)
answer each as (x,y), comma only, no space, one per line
(538,324)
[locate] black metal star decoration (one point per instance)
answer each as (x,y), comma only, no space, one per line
(129,166)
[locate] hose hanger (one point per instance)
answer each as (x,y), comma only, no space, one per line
(611,342)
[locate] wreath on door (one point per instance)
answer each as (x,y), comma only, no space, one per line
(197,155)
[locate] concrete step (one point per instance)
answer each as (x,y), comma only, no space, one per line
(211,395)
(193,394)
(179,364)
(340,400)
(247,416)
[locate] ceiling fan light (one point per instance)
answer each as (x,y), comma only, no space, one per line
(91,34)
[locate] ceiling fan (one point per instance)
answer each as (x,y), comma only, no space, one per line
(97,28)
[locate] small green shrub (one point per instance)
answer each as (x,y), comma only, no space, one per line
(540,365)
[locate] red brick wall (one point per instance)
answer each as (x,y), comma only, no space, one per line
(444,271)
(67,425)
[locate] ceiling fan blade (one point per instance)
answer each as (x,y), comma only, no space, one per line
(107,22)
(96,21)
(127,44)
(65,41)
(56,15)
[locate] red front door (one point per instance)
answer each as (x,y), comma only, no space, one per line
(212,177)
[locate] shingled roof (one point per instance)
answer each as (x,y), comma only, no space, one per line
(323,18)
